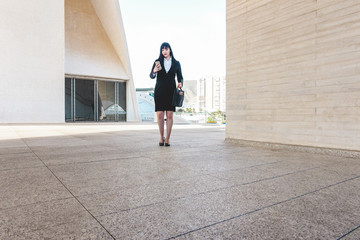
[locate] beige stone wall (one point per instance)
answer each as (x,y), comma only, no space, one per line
(88,49)
(293,72)
(32,61)
(96,47)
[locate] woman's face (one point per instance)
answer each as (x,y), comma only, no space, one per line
(165,52)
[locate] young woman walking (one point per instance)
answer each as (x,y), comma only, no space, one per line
(164,69)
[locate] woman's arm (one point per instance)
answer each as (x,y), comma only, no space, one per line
(152,74)
(179,76)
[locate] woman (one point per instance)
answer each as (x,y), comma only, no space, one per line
(164,69)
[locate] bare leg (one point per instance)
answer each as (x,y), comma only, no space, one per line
(169,124)
(160,120)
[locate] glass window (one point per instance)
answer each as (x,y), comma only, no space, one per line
(68,116)
(121,101)
(84,100)
(106,101)
(94,100)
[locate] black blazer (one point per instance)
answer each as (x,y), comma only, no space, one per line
(165,82)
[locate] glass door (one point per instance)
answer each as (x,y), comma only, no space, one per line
(121,101)
(69,99)
(84,100)
(106,101)
(94,100)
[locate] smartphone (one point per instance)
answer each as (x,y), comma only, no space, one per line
(157,63)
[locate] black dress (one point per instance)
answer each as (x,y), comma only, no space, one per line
(165,85)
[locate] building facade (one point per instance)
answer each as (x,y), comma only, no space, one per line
(146,103)
(64,61)
(212,93)
(293,72)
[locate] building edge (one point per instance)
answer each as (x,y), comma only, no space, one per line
(351,153)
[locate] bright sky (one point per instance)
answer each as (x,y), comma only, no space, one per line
(195,30)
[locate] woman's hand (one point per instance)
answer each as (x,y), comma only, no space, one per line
(157,67)
(179,85)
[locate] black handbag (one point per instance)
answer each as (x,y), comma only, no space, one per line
(178,97)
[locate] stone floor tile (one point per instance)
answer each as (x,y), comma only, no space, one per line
(85,156)
(156,222)
(326,214)
(102,181)
(19,160)
(12,143)
(270,170)
(82,229)
(122,199)
(29,185)
(43,150)
(101,169)
(216,206)
(60,219)
(5,151)
(98,185)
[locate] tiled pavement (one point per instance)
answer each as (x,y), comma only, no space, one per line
(113,181)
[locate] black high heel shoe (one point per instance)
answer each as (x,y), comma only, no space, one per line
(162,143)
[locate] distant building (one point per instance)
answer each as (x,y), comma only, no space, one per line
(146,103)
(191,97)
(212,94)
(202,94)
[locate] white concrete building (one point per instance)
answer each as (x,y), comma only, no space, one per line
(212,93)
(64,61)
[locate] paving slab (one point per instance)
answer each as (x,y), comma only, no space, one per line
(59,219)
(124,199)
(19,160)
(29,185)
(215,206)
(329,213)
(113,181)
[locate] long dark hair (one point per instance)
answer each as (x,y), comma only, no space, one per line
(165,45)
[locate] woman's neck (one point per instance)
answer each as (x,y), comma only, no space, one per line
(168,58)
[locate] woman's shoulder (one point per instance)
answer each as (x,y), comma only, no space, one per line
(176,61)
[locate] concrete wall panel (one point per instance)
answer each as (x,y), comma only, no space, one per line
(293,72)
(89,51)
(32,61)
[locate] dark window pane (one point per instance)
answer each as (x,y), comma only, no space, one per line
(68,99)
(84,100)
(122,102)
